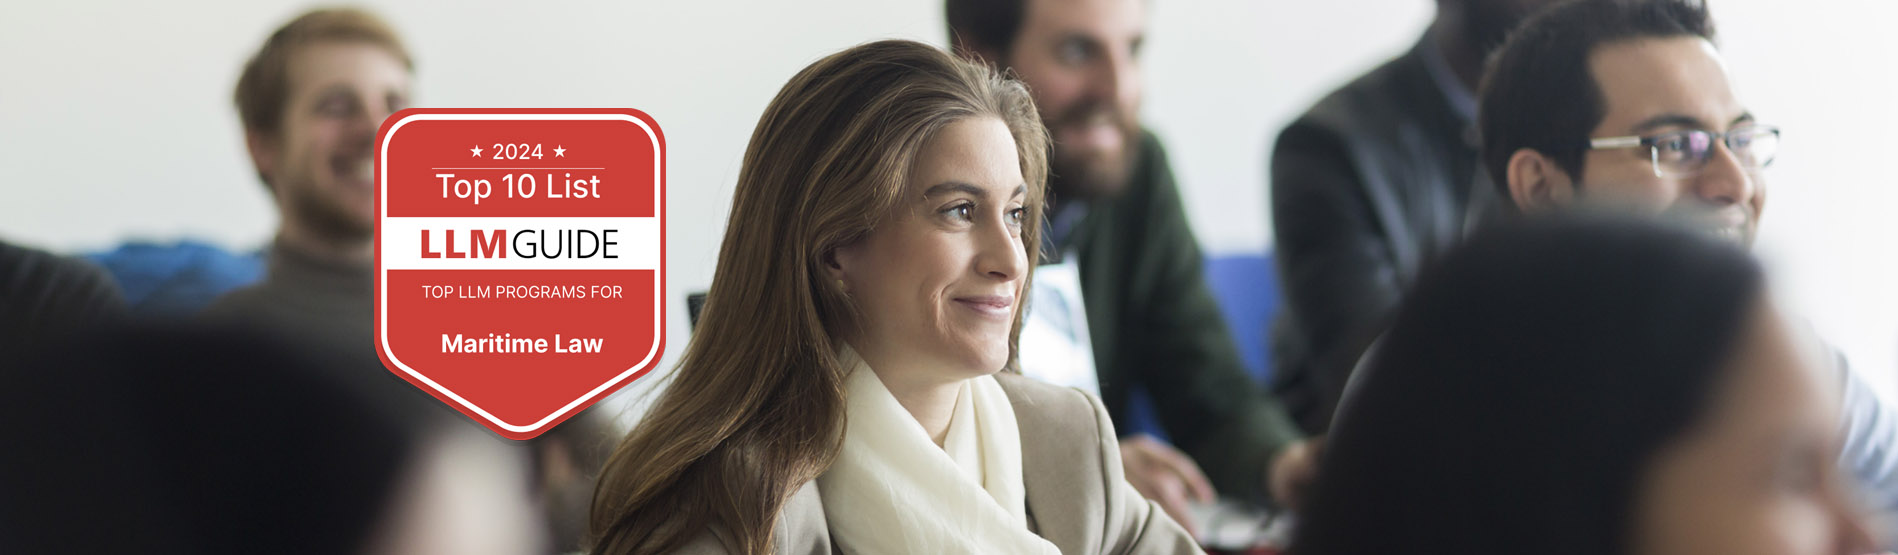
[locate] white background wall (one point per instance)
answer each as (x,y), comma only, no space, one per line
(116,120)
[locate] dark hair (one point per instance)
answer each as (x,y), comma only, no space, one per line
(1538,92)
(978,24)
(173,438)
(1525,388)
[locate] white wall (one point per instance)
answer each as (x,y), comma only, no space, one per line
(116,120)
(1823,70)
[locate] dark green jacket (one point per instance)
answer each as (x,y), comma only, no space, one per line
(1154,324)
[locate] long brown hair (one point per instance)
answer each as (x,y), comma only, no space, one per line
(756,407)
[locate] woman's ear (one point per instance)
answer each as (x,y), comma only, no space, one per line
(833,267)
(1537,183)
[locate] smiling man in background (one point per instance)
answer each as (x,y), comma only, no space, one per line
(1116,213)
(311,100)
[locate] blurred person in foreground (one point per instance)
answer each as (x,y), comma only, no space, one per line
(44,295)
(849,387)
(190,439)
(1589,385)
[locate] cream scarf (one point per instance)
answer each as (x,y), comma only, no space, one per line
(892,490)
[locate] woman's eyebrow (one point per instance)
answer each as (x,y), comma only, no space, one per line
(955,187)
(971,189)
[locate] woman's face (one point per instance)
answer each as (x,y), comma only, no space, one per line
(1757,473)
(938,281)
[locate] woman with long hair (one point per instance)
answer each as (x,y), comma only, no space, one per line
(845,388)
(1587,385)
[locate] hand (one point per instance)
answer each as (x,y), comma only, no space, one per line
(1166,476)
(1293,471)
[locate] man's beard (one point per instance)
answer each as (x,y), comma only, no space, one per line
(328,217)
(1715,221)
(1086,175)
(1703,218)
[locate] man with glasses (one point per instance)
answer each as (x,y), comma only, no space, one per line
(1631,108)
(1627,104)
(1683,153)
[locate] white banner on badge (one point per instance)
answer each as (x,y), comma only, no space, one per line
(502,243)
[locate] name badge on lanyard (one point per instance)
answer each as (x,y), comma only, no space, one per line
(1055,345)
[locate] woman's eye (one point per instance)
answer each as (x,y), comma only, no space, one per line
(1672,144)
(1015,216)
(963,212)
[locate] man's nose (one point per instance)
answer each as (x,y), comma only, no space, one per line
(1725,180)
(1118,79)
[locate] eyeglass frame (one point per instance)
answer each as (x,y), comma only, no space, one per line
(1654,153)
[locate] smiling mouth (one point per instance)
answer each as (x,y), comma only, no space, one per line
(1726,225)
(355,170)
(1729,233)
(993,305)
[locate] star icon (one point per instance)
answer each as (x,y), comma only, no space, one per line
(560,152)
(476,150)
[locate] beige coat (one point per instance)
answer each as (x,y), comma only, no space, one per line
(1078,498)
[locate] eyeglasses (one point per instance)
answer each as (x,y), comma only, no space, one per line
(1685,153)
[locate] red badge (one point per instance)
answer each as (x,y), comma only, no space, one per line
(520,258)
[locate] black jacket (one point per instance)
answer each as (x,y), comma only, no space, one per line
(44,295)
(1366,186)
(1155,325)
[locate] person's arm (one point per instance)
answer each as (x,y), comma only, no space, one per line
(43,294)
(1176,341)
(1337,268)
(1870,451)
